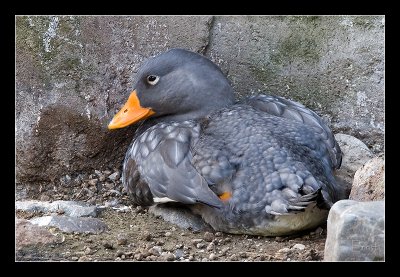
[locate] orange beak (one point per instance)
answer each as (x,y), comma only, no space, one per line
(130,113)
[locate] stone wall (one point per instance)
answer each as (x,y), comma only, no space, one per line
(74,72)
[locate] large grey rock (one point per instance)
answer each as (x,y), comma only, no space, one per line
(70,208)
(355,155)
(27,234)
(71,224)
(180,216)
(74,72)
(356,231)
(369,181)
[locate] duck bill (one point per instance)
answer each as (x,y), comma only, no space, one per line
(130,113)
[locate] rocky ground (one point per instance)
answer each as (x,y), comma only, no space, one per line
(135,234)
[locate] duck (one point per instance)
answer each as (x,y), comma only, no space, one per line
(263,165)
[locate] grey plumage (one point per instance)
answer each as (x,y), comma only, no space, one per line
(274,156)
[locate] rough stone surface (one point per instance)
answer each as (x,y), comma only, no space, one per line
(356,231)
(355,155)
(180,216)
(70,208)
(369,181)
(74,72)
(27,233)
(70,224)
(332,64)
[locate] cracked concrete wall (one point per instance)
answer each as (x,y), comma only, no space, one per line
(74,72)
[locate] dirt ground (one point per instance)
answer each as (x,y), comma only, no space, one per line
(137,235)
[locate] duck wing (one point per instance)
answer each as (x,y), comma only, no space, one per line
(282,107)
(162,157)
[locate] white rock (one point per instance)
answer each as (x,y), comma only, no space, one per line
(70,208)
(70,224)
(356,231)
(369,181)
(299,246)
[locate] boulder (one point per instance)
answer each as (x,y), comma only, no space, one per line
(356,231)
(69,224)
(70,208)
(27,234)
(369,181)
(355,155)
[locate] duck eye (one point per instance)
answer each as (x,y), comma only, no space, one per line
(152,79)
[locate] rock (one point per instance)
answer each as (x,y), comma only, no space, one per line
(356,231)
(168,256)
(70,224)
(122,240)
(180,216)
(200,245)
(146,236)
(369,181)
(27,234)
(208,236)
(179,253)
(168,234)
(156,250)
(355,155)
(115,176)
(108,245)
(299,246)
(211,247)
(70,208)
(212,257)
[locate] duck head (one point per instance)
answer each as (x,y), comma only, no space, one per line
(175,85)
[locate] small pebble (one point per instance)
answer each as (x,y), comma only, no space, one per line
(218,234)
(168,234)
(196,241)
(227,240)
(169,257)
(114,176)
(108,245)
(156,250)
(279,239)
(44,197)
(119,253)
(211,246)
(74,258)
(191,258)
(93,182)
(208,236)
(122,241)
(179,253)
(299,246)
(233,257)
(212,257)
(146,236)
(87,251)
(138,257)
(319,231)
(200,245)
(224,250)
(117,259)
(284,250)
(83,259)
